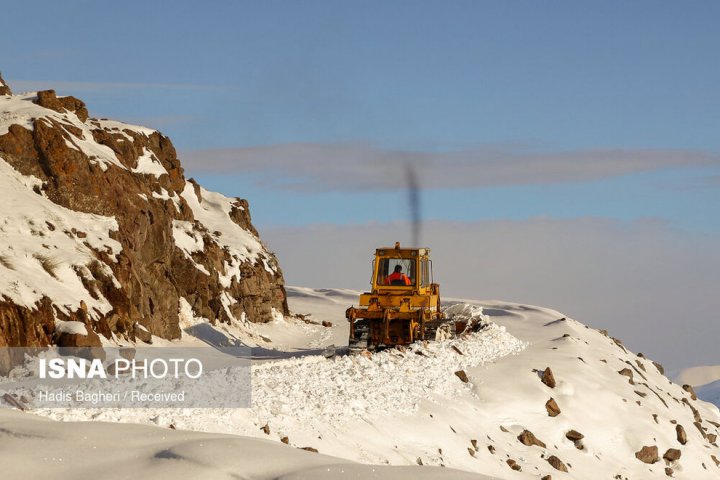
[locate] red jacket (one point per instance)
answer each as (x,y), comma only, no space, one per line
(398,276)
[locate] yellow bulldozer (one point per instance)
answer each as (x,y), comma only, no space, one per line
(403,305)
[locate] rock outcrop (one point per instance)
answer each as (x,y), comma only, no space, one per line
(148,242)
(4,89)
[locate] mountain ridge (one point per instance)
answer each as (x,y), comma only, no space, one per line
(103,216)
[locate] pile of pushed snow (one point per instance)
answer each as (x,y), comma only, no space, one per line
(314,390)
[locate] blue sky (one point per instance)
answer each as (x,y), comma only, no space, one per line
(418,76)
(525,112)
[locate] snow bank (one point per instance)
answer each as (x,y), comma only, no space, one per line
(315,391)
(42,450)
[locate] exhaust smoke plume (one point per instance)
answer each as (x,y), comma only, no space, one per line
(414,201)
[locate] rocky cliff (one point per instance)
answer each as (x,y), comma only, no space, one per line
(99,225)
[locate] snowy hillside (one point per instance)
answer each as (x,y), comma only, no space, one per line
(545,395)
(101,227)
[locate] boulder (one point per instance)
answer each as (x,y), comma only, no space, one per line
(462,376)
(672,455)
(690,390)
(557,464)
(681,434)
(552,408)
(574,435)
(648,454)
(529,439)
(548,378)
(513,465)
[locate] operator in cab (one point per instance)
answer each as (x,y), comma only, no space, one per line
(398,278)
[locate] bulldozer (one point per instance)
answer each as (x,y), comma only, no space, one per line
(403,305)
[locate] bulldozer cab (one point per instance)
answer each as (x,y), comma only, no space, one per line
(397,270)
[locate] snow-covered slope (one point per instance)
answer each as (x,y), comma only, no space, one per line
(38,449)
(609,406)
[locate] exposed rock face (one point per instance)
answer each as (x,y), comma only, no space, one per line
(174,239)
(4,89)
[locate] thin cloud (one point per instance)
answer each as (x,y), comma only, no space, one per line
(311,166)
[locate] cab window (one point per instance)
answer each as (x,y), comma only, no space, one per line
(387,274)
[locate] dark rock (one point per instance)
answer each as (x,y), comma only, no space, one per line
(529,439)
(513,465)
(548,378)
(285,440)
(13,401)
(48,99)
(681,435)
(628,373)
(310,449)
(648,454)
(471,451)
(669,471)
(491,449)
(711,437)
(462,376)
(325,323)
(474,443)
(266,429)
(547,477)
(142,333)
(557,464)
(552,408)
(672,455)
(574,435)
(4,88)
(690,390)
(659,367)
(715,459)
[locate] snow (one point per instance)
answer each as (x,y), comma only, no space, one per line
(40,253)
(149,165)
(397,407)
(20,110)
(189,241)
(44,450)
(72,327)
(213,212)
